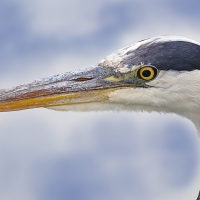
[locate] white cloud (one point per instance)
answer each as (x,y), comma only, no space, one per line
(62,18)
(29,138)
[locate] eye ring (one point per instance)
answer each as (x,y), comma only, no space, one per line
(147,72)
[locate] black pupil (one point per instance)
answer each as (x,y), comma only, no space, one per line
(146,73)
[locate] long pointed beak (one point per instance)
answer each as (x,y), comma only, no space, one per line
(83,86)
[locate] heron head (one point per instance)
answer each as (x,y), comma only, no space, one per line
(158,74)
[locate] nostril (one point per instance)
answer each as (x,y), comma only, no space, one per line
(82,79)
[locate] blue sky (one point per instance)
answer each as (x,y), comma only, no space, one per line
(66,155)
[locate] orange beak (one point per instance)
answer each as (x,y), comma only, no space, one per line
(83,86)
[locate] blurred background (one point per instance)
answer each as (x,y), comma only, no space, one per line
(52,155)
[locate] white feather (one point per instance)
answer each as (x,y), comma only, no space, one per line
(172,92)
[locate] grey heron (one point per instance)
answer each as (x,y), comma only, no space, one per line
(160,74)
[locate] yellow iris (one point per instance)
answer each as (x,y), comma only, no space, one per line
(147,73)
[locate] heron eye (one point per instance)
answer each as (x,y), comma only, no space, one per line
(147,73)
